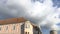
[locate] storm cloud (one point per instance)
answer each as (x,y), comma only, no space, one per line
(39,12)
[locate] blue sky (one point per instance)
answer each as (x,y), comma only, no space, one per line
(45,13)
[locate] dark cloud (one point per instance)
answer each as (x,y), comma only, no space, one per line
(56,3)
(17,10)
(41,1)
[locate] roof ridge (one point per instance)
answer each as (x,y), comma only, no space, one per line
(12,20)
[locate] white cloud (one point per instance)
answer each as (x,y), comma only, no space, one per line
(37,12)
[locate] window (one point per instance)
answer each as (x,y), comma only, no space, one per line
(22,27)
(27,25)
(0,28)
(26,32)
(13,27)
(6,27)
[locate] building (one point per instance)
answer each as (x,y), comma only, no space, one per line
(53,32)
(18,26)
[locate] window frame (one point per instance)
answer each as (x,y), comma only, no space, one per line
(14,27)
(27,26)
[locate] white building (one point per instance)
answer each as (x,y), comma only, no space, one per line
(18,26)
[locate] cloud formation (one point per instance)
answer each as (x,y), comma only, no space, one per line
(43,14)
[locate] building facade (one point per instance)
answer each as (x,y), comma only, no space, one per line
(18,26)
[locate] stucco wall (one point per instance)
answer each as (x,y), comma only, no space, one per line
(10,30)
(29,28)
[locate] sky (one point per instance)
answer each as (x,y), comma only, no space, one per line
(44,13)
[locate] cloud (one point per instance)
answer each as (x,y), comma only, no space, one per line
(42,14)
(55,27)
(51,21)
(56,3)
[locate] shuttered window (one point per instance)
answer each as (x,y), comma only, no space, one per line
(13,27)
(0,28)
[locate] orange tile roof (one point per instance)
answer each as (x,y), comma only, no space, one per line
(12,20)
(15,20)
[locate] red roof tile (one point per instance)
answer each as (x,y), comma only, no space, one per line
(12,20)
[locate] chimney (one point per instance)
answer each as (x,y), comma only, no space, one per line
(53,32)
